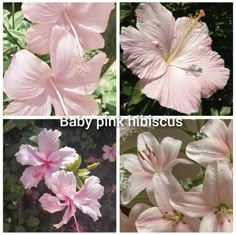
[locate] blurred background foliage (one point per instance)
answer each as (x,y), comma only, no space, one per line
(219,19)
(14,28)
(22,210)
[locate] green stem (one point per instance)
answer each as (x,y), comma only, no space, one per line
(12,14)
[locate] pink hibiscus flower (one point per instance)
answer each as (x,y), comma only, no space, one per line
(85,21)
(173,59)
(152,158)
(214,202)
(35,87)
(63,185)
(110,152)
(217,144)
(44,160)
(163,217)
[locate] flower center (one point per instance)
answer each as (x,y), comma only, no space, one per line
(176,218)
(192,23)
(222,211)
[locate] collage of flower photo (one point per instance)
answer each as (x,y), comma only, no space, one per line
(117,117)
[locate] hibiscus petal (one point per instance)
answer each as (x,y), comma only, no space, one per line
(86,198)
(51,203)
(31,176)
(217,181)
(48,141)
(207,150)
(157,23)
(26,77)
(137,182)
(229,139)
(63,157)
(152,220)
(176,89)
(141,55)
(37,38)
(190,203)
(49,12)
(28,155)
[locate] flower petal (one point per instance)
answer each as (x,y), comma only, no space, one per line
(26,77)
(210,223)
(136,210)
(157,23)
(131,163)
(86,198)
(176,89)
(31,176)
(190,203)
(37,38)
(188,225)
(229,138)
(28,155)
(137,182)
(51,203)
(141,55)
(217,181)
(48,141)
(49,12)
(152,220)
(207,150)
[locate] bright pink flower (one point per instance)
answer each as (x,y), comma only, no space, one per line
(152,158)
(110,152)
(35,86)
(217,144)
(127,223)
(164,218)
(64,187)
(44,160)
(214,202)
(85,21)
(172,58)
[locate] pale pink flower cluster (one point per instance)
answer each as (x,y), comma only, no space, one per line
(109,152)
(48,161)
(65,31)
(173,58)
(173,209)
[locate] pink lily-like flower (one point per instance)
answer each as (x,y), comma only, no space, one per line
(214,202)
(64,187)
(109,152)
(44,160)
(127,223)
(152,157)
(173,58)
(35,87)
(85,21)
(217,144)
(163,217)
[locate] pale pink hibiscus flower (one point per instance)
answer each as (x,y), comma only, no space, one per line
(152,158)
(64,187)
(44,160)
(109,152)
(217,144)
(85,21)
(35,87)
(214,203)
(173,58)
(163,217)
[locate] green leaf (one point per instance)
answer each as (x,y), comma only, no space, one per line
(18,18)
(75,165)
(125,11)
(17,34)
(6,21)
(225,111)
(34,139)
(32,221)
(131,150)
(20,228)
(83,172)
(6,227)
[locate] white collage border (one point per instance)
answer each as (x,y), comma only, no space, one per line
(117,103)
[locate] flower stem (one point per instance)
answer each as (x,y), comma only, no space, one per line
(12,15)
(76,224)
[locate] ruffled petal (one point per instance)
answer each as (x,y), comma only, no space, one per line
(28,155)
(218,184)
(26,77)
(37,38)
(51,203)
(48,141)
(86,198)
(158,24)
(42,12)
(152,220)
(207,150)
(177,90)
(141,55)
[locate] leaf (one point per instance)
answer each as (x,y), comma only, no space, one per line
(83,172)
(76,164)
(34,139)
(5,18)
(32,221)
(132,150)
(20,228)
(125,11)
(6,227)
(225,111)
(17,34)
(18,18)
